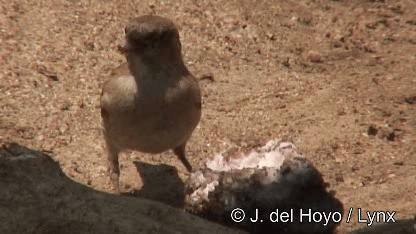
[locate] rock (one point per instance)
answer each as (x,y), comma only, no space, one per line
(36,197)
(403,226)
(372,130)
(314,57)
(410,99)
(272,178)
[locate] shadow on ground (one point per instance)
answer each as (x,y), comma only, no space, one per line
(160,183)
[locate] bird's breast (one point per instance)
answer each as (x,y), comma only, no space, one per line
(150,115)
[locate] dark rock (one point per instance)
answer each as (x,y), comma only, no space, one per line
(273,178)
(372,131)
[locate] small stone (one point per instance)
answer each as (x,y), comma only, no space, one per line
(90,46)
(208,77)
(271,36)
(372,131)
(391,136)
(339,177)
(400,163)
(40,138)
(314,57)
(63,128)
(410,100)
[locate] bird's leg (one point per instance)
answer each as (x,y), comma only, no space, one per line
(113,165)
(180,152)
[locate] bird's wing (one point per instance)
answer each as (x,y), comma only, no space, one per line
(121,70)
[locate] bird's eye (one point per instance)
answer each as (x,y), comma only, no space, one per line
(125,30)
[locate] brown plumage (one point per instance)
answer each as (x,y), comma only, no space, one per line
(152,103)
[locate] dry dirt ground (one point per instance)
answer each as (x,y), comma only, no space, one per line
(338,78)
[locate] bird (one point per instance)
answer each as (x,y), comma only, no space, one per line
(151,103)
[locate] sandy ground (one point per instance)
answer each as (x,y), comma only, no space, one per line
(337,78)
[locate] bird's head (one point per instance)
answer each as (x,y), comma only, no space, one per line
(152,38)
